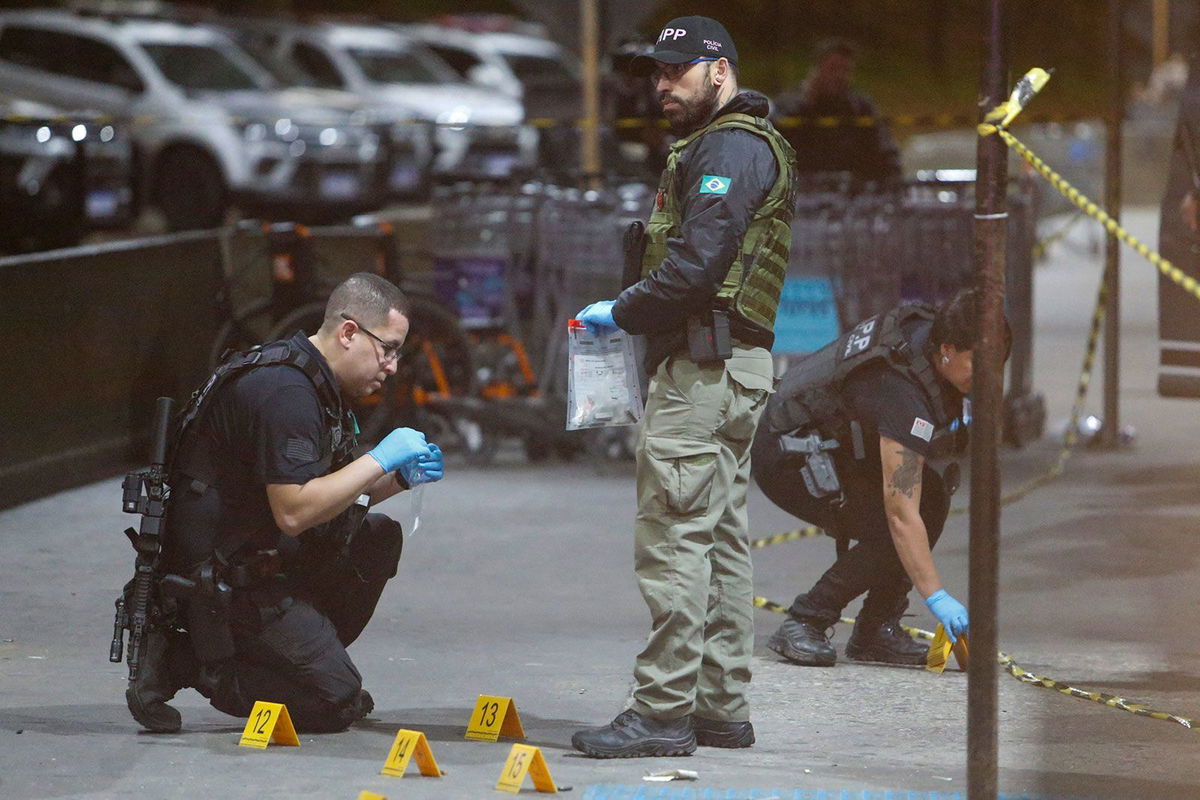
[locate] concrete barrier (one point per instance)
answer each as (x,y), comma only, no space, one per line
(90,337)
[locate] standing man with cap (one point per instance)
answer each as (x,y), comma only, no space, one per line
(713,263)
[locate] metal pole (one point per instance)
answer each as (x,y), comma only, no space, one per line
(1161,36)
(1110,432)
(991,228)
(590,132)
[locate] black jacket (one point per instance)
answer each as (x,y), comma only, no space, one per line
(869,152)
(714,226)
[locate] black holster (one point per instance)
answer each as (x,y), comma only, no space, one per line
(634,248)
(208,591)
(708,337)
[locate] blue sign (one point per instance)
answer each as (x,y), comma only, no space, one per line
(807,319)
(475,288)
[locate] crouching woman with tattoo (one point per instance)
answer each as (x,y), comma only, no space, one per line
(843,445)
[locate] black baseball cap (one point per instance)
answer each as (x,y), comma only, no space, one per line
(685,39)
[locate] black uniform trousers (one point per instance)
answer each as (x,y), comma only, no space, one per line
(290,640)
(872,564)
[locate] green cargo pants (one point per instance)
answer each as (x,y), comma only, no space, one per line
(691,554)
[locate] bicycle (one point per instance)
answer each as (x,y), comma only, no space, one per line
(435,363)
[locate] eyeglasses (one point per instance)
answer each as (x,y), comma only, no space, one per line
(673,72)
(391,351)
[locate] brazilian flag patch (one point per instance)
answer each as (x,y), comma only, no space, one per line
(714,184)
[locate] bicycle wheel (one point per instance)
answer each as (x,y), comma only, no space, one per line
(434,362)
(253,326)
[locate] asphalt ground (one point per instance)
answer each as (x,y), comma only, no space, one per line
(519,583)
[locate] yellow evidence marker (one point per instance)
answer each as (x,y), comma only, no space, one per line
(407,745)
(365,795)
(494,717)
(939,651)
(524,760)
(269,722)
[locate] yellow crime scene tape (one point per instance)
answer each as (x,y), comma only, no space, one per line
(1071,437)
(1041,247)
(943,121)
(997,119)
(790,536)
(996,122)
(1025,676)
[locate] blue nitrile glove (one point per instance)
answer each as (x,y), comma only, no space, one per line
(598,317)
(426,469)
(949,612)
(400,447)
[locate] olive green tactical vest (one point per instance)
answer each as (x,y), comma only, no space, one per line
(755,279)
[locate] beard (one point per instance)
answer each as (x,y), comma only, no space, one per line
(690,114)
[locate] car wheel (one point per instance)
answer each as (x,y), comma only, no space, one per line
(189,190)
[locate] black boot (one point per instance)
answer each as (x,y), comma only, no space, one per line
(167,666)
(885,642)
(715,733)
(804,642)
(632,735)
(360,708)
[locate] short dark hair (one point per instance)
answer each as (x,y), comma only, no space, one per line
(367,298)
(958,323)
(826,47)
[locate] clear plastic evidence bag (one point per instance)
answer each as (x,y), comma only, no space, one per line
(602,380)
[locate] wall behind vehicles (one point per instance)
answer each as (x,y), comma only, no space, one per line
(92,336)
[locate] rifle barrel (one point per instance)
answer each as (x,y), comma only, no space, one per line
(163,409)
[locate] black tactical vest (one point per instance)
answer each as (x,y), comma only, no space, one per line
(810,397)
(191,466)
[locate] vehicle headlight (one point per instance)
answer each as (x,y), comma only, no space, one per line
(277,130)
(286,130)
(457,116)
(331,135)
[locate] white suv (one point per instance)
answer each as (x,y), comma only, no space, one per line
(515,63)
(209,129)
(478,133)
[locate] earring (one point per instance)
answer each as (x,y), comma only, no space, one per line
(945,359)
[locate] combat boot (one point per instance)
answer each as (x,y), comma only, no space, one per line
(885,642)
(360,708)
(804,642)
(721,733)
(632,735)
(167,666)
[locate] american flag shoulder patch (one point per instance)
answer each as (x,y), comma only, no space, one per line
(302,450)
(922,429)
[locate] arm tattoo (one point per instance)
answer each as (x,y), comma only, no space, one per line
(906,478)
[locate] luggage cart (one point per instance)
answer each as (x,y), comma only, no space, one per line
(483,255)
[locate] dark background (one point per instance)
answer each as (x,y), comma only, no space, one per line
(919,56)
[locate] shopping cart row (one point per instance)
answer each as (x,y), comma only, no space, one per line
(509,266)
